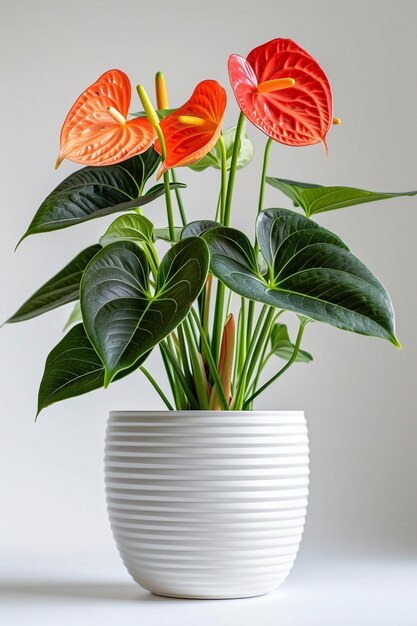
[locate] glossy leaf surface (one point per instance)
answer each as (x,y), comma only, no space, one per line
(129,227)
(318,199)
(214,157)
(93,135)
(73,368)
(62,288)
(310,272)
(298,115)
(282,346)
(122,316)
(196,228)
(94,192)
(164,235)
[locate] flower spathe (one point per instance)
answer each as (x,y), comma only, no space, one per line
(96,131)
(283,91)
(191,131)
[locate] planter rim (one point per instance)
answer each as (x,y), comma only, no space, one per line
(204,413)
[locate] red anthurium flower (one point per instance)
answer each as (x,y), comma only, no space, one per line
(192,130)
(96,131)
(283,91)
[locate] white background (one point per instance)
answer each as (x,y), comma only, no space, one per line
(359,395)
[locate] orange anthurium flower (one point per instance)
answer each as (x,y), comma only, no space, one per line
(283,91)
(192,130)
(96,131)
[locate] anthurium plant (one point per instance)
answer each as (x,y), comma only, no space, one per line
(175,288)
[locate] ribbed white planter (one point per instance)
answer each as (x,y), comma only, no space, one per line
(207,504)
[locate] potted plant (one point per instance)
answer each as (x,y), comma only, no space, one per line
(208,498)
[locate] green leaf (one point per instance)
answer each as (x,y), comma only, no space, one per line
(282,346)
(310,272)
(208,160)
(318,199)
(163,234)
(214,157)
(64,287)
(94,192)
(160,112)
(129,227)
(196,228)
(72,368)
(122,317)
(74,317)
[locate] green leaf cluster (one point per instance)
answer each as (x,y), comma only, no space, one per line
(127,300)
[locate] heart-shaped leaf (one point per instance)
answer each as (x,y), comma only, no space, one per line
(164,235)
(64,287)
(195,229)
(94,192)
(122,316)
(310,272)
(214,157)
(282,346)
(72,368)
(318,199)
(129,227)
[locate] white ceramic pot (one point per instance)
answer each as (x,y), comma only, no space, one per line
(207,504)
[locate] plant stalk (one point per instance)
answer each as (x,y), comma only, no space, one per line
(297,344)
(157,388)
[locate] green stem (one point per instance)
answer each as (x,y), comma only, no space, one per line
(170,212)
(225,219)
(157,388)
(206,307)
(264,358)
(241,384)
(154,120)
(193,329)
(152,257)
(251,308)
(238,364)
(180,376)
(232,173)
(219,199)
(174,349)
(210,362)
(262,362)
(263,176)
(178,395)
(223,186)
(198,368)
(243,343)
(218,321)
(184,356)
(229,302)
(249,324)
(179,199)
(249,401)
(264,336)
(262,187)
